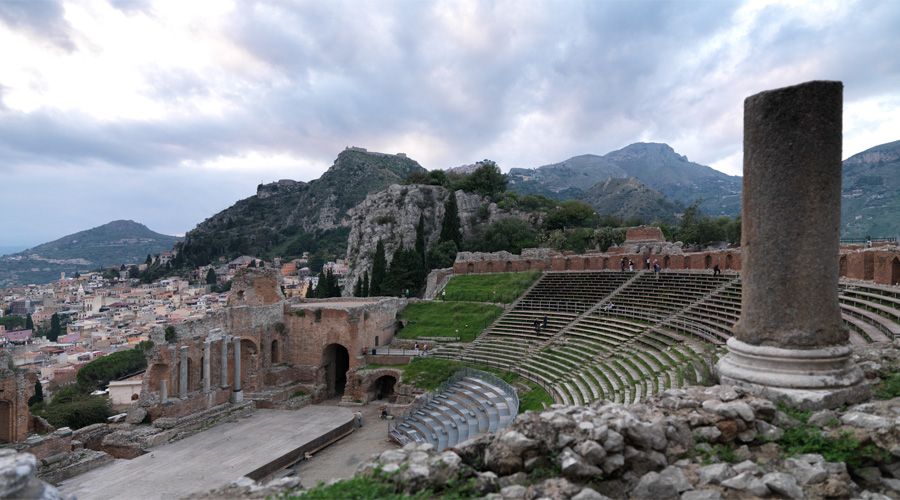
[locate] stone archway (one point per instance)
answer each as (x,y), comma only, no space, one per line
(335,363)
(707,261)
(728,261)
(508,267)
(490,266)
(275,354)
(383,387)
(6,422)
(470,268)
(895,271)
(666,262)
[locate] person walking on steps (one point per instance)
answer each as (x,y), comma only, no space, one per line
(716,270)
(544,324)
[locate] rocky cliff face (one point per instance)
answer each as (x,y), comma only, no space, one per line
(393,214)
(286,210)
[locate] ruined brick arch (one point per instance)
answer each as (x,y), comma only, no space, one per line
(687,262)
(6,422)
(508,267)
(895,271)
(158,373)
(728,261)
(707,261)
(249,355)
(274,352)
(335,364)
(382,387)
(586,263)
(842,266)
(470,268)
(605,263)
(568,263)
(666,260)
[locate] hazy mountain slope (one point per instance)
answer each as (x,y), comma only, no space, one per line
(870,204)
(118,242)
(626,198)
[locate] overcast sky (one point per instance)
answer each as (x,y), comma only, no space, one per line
(167,112)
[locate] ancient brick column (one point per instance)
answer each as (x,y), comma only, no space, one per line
(224,374)
(207,353)
(237,395)
(790,343)
(183,374)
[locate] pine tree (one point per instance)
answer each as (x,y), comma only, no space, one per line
(365,284)
(211,277)
(379,270)
(55,328)
(450,226)
(405,274)
(149,260)
(29,323)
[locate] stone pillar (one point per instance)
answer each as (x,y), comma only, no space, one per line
(207,352)
(789,343)
(164,391)
(183,374)
(224,375)
(237,395)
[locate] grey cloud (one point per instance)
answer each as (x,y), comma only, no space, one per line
(42,19)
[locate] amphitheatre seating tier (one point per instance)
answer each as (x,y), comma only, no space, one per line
(625,336)
(466,408)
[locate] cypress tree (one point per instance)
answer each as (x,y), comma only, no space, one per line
(379,270)
(29,323)
(55,328)
(420,238)
(38,393)
(450,226)
(357,289)
(365,284)
(211,277)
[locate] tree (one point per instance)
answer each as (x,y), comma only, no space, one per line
(365,284)
(450,226)
(328,285)
(511,235)
(357,289)
(98,373)
(570,214)
(38,396)
(29,323)
(379,270)
(420,239)
(442,255)
(405,276)
(149,260)
(211,277)
(486,180)
(55,328)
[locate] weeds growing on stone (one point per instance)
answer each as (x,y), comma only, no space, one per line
(889,387)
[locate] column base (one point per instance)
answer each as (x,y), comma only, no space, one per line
(237,396)
(809,379)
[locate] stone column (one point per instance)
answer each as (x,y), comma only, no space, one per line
(237,395)
(207,353)
(224,359)
(163,391)
(183,374)
(789,343)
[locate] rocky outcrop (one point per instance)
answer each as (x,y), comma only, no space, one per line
(391,216)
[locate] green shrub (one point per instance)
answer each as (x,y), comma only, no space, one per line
(170,334)
(535,399)
(76,413)
(889,387)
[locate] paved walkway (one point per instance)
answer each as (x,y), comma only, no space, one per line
(208,459)
(340,460)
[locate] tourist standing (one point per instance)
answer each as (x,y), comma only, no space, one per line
(716,270)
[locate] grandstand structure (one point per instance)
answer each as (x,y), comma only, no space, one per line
(624,336)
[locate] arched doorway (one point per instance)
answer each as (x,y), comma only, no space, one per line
(470,268)
(508,266)
(490,266)
(686,263)
(335,362)
(248,364)
(276,356)
(707,261)
(842,266)
(568,264)
(190,375)
(728,261)
(895,271)
(5,422)
(383,387)
(666,262)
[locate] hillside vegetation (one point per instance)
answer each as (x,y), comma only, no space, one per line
(447,319)
(500,287)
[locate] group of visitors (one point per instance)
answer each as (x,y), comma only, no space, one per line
(423,352)
(540,325)
(628,264)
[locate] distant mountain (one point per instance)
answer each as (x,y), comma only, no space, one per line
(287,217)
(629,197)
(656,165)
(870,204)
(113,244)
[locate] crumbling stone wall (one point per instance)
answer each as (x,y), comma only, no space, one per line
(15,388)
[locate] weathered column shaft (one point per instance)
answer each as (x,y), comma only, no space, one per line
(163,390)
(791,217)
(207,352)
(183,374)
(237,364)
(224,359)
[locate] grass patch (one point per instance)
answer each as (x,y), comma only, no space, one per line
(535,399)
(501,287)
(889,388)
(378,486)
(447,319)
(715,454)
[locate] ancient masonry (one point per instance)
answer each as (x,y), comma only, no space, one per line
(265,348)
